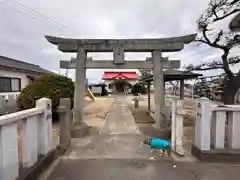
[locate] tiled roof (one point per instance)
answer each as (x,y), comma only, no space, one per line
(17,65)
(235,23)
(172,74)
(116,75)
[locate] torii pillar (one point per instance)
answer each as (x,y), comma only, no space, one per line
(159,91)
(79,86)
(80,128)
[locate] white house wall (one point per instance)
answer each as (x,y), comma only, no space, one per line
(12,74)
(107,82)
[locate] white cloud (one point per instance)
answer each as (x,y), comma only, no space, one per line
(51,52)
(22,31)
(213,56)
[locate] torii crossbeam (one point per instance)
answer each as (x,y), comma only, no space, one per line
(109,64)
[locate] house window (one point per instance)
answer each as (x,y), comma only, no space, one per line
(10,84)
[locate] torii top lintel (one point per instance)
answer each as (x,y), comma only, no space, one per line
(129,45)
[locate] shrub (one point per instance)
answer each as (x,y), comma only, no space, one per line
(138,88)
(120,84)
(53,87)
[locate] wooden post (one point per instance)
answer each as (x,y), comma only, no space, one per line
(136,102)
(181,89)
(173,125)
(159,87)
(149,95)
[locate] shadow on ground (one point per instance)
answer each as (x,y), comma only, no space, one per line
(145,124)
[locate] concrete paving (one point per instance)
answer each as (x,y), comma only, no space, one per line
(117,153)
(105,169)
(109,146)
(119,138)
(119,119)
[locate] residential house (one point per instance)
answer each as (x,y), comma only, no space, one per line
(15,75)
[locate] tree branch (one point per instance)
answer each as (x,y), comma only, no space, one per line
(213,9)
(234,2)
(145,72)
(232,42)
(225,65)
(212,65)
(207,40)
(218,10)
(226,15)
(218,37)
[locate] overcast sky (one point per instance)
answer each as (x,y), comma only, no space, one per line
(23,27)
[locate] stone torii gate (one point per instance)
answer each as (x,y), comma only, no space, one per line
(119,47)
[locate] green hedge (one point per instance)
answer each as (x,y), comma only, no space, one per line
(53,87)
(138,88)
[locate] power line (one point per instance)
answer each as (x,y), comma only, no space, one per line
(33,17)
(36,15)
(44,16)
(40,20)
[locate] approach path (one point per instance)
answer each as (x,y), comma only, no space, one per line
(116,153)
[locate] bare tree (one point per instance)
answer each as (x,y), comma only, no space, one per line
(223,40)
(144,73)
(174,85)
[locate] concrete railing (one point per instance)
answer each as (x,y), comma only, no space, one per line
(225,126)
(20,147)
(217,131)
(217,127)
(26,138)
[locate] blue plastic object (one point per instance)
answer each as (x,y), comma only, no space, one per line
(157,143)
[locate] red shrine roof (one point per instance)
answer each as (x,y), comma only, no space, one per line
(119,75)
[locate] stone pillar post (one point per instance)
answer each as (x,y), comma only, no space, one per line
(182,89)
(149,95)
(79,128)
(159,87)
(218,129)
(203,124)
(79,87)
(45,126)
(233,130)
(64,111)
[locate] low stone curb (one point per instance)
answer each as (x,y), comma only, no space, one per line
(42,164)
